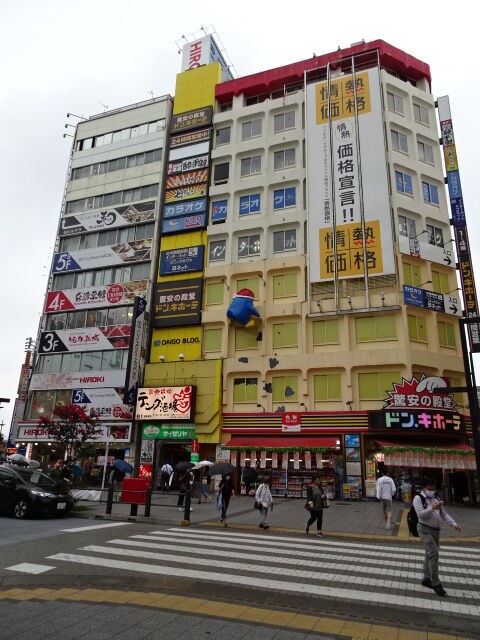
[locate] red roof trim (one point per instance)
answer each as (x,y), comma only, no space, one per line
(391,58)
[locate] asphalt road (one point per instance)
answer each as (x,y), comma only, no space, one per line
(215,582)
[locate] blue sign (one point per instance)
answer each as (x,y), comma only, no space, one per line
(434,301)
(199,205)
(184,260)
(454,186)
(352,440)
(283,198)
(185,223)
(64,262)
(458,212)
(249,204)
(219,210)
(413,296)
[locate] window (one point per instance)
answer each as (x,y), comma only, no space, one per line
(446,334)
(375,386)
(222,136)
(399,141)
(124,134)
(212,340)
(285,285)
(249,246)
(430,193)
(327,387)
(251,129)
(250,166)
(284,335)
(285,389)
(325,332)
(420,114)
(43,403)
(219,211)
(283,198)
(226,107)
(249,204)
(221,172)
(214,293)
(110,199)
(245,389)
(434,235)
(285,240)
(248,283)
(283,121)
(375,328)
(407,227)
(411,274)
(71,243)
(284,159)
(417,328)
(403,182)
(440,282)
(217,250)
(425,152)
(394,102)
(245,339)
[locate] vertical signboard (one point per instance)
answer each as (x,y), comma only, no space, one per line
(134,354)
(350,231)
(459,222)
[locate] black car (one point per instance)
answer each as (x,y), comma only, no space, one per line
(25,492)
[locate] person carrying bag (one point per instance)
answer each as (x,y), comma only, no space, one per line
(315,503)
(263,497)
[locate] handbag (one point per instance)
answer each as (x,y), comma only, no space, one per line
(308,507)
(257,505)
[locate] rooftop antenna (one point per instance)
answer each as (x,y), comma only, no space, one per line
(151,93)
(105,106)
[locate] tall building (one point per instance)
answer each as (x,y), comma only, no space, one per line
(304,312)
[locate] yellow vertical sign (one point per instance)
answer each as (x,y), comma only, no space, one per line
(342,98)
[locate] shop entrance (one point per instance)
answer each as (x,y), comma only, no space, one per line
(173,453)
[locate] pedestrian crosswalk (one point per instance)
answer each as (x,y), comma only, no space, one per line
(382,574)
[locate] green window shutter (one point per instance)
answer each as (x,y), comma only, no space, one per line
(334,386)
(319,388)
(412,328)
(245,339)
(442,334)
(245,390)
(319,332)
(280,384)
(239,390)
(248,283)
(331,332)
(212,340)
(368,386)
(251,390)
(327,387)
(214,294)
(436,286)
(290,330)
(386,327)
(422,329)
(278,286)
(450,334)
(365,329)
(290,284)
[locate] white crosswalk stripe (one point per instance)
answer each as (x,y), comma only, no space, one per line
(350,571)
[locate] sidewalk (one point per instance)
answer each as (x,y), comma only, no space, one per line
(343,519)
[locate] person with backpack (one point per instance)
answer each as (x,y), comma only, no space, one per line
(430,513)
(386,489)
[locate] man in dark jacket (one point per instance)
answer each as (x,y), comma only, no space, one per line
(315,502)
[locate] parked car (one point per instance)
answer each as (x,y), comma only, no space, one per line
(25,492)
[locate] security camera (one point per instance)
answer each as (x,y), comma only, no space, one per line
(181,356)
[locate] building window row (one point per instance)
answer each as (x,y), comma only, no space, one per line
(100,277)
(107,238)
(407,227)
(254,128)
(91,318)
(121,134)
(404,184)
(249,245)
(395,103)
(252,165)
(251,203)
(85,361)
(400,143)
(125,162)
(42,403)
(111,199)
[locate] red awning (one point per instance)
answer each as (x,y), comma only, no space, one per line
(438,444)
(282,442)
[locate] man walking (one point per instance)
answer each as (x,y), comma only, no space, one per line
(263,495)
(430,512)
(386,489)
(165,473)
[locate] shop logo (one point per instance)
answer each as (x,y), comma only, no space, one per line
(425,393)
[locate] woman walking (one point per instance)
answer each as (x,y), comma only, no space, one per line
(315,502)
(227,491)
(263,496)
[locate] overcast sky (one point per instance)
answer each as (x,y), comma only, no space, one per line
(59,56)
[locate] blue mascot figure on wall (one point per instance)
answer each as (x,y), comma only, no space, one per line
(241,311)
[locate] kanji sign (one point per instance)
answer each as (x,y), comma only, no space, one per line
(413,421)
(178,303)
(164,403)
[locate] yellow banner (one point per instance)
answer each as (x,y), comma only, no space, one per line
(450,154)
(185,193)
(349,250)
(342,97)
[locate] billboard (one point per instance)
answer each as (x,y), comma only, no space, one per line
(415,421)
(198,205)
(91,297)
(193,119)
(164,403)
(350,232)
(122,253)
(77,380)
(187,178)
(114,432)
(104,403)
(86,339)
(192,137)
(184,223)
(443,302)
(201,148)
(177,303)
(108,219)
(186,193)
(132,375)
(183,260)
(188,164)
(204,51)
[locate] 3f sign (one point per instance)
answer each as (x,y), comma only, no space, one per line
(49,342)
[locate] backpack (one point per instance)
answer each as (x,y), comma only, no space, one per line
(412,517)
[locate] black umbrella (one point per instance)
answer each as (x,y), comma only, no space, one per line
(183,466)
(249,474)
(221,468)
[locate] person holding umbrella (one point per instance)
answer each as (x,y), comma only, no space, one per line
(226,491)
(120,469)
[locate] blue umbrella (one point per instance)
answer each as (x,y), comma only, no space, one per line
(123,466)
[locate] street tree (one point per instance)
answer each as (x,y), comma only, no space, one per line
(70,426)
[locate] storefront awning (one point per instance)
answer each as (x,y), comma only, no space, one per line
(282,443)
(446,444)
